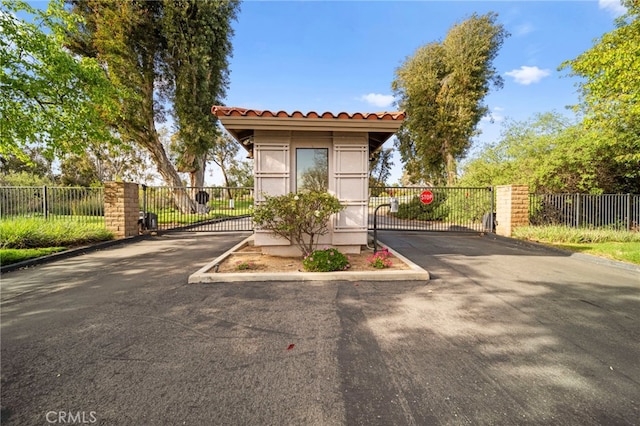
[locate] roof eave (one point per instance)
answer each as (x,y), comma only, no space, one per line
(309,124)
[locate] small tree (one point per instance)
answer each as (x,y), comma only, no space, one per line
(298,218)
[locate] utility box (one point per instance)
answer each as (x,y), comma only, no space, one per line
(148,221)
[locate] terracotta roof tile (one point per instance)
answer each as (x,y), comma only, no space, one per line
(222,111)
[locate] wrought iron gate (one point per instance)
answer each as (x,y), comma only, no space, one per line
(210,209)
(433,209)
(229,209)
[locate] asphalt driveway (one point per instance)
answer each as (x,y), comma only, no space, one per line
(504,333)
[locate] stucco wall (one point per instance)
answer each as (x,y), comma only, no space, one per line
(274,170)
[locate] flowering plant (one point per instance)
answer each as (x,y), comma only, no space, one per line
(380,259)
(299,218)
(326,260)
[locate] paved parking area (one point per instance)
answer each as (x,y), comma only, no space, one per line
(504,333)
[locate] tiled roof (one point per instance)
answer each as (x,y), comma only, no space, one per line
(222,111)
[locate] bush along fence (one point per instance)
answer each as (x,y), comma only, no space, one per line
(435,208)
(71,204)
(612,211)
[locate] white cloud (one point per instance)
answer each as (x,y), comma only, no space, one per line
(524,29)
(494,116)
(614,7)
(378,100)
(527,75)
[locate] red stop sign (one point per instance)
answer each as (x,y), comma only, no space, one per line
(426,197)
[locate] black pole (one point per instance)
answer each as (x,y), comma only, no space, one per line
(144,207)
(375,227)
(493,210)
(45,202)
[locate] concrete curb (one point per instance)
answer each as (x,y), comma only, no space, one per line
(202,276)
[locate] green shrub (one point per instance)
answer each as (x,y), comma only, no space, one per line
(326,260)
(377,191)
(416,209)
(37,232)
(89,206)
(243,265)
(59,208)
(468,205)
(299,218)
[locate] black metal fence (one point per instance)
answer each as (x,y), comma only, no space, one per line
(197,209)
(614,211)
(433,209)
(77,204)
(230,208)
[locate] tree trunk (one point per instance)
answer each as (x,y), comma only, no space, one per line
(197,177)
(181,198)
(226,182)
(452,173)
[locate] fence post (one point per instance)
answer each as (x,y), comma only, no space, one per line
(629,212)
(512,208)
(45,204)
(144,200)
(493,209)
(121,208)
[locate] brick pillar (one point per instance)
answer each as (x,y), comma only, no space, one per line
(512,208)
(121,208)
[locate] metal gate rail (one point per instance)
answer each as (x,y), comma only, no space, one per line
(211,209)
(447,209)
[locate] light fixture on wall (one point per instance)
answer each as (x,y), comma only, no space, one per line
(247,141)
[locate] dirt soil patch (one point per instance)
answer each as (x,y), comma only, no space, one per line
(255,261)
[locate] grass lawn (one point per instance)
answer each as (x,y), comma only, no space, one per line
(612,244)
(9,256)
(626,252)
(219,210)
(27,238)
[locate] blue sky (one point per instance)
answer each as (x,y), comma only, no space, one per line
(341,56)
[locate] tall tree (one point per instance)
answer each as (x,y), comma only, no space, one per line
(223,155)
(441,88)
(33,171)
(170,57)
(103,162)
(610,91)
(50,98)
(78,170)
(241,174)
(198,37)
(380,167)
